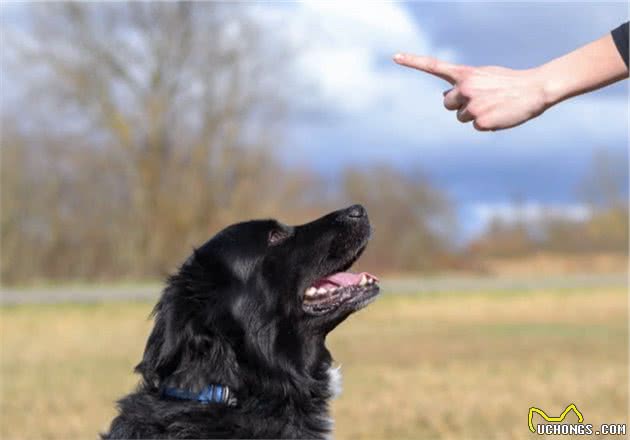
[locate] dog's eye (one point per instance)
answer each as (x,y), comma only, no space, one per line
(277,236)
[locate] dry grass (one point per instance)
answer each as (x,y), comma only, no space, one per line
(447,366)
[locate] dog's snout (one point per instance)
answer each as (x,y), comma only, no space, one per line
(354,212)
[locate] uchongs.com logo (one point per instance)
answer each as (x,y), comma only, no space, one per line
(555,425)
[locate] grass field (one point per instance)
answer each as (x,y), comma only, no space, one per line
(433,366)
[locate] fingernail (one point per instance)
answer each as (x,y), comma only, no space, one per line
(398,57)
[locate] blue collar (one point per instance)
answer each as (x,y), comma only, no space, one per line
(212,393)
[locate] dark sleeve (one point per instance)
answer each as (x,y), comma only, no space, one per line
(620,37)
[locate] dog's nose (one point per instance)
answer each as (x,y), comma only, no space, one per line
(355,212)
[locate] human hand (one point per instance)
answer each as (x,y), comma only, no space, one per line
(494,98)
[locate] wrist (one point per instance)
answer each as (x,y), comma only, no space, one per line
(552,89)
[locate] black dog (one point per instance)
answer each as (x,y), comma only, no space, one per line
(238,347)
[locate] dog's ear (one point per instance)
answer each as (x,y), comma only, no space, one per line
(164,347)
(192,340)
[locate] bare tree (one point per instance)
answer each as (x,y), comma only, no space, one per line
(605,184)
(159,112)
(413,222)
(604,188)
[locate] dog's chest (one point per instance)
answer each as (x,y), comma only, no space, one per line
(334,381)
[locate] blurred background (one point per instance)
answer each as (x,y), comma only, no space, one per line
(132,132)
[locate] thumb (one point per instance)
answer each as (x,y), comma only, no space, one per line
(447,71)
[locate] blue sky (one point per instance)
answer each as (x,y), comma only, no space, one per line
(370,110)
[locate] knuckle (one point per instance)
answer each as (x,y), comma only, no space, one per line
(449,105)
(482,125)
(432,64)
(472,110)
(465,89)
(466,71)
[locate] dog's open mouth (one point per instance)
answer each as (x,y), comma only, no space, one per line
(342,288)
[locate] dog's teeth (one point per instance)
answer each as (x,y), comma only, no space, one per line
(311,291)
(321,290)
(363,280)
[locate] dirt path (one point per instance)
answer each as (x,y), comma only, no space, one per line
(415,285)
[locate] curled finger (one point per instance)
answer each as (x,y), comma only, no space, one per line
(463,115)
(453,99)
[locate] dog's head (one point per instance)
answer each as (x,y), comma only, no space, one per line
(258,299)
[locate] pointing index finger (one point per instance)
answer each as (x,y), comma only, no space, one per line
(447,71)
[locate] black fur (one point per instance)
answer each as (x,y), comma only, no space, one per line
(233,315)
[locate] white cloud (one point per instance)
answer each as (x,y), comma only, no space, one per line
(347,50)
(530,212)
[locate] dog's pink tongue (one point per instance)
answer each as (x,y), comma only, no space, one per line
(342,279)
